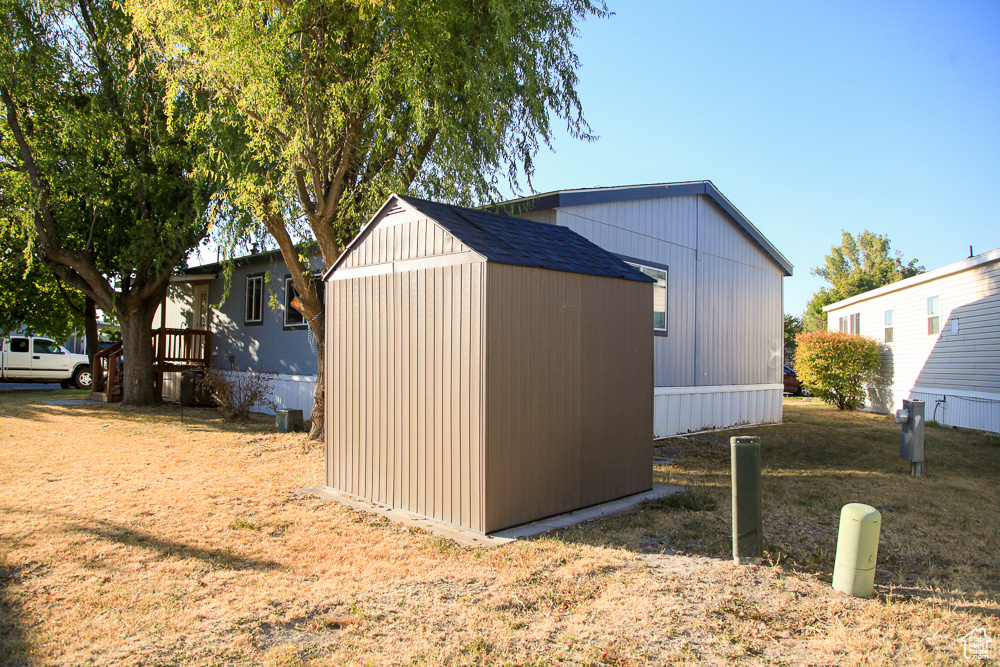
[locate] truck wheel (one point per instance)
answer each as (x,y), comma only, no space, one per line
(82,377)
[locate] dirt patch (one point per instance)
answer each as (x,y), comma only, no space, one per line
(131,537)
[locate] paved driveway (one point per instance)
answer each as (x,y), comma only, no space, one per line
(7,387)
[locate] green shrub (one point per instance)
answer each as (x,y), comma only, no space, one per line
(836,366)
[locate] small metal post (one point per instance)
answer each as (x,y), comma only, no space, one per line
(748,531)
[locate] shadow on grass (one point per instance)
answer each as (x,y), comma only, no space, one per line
(191,418)
(119,534)
(15,650)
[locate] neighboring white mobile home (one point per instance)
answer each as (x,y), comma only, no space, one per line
(941,341)
(718,329)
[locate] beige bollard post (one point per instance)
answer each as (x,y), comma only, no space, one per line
(857,550)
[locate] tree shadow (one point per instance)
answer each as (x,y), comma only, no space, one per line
(15,649)
(164,548)
(191,418)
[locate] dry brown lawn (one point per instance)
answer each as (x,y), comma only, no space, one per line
(131,537)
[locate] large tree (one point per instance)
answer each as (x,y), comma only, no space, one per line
(346,101)
(110,195)
(859,264)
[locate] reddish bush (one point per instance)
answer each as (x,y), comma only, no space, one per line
(836,366)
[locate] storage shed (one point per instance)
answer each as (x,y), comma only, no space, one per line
(483,370)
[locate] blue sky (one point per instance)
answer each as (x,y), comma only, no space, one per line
(810,117)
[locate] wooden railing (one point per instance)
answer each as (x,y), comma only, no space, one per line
(173,350)
(181,347)
(107,373)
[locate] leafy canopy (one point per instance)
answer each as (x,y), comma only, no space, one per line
(96,174)
(859,264)
(343,103)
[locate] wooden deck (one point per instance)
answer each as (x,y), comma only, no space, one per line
(174,350)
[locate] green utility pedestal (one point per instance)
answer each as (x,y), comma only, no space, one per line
(288,421)
(857,550)
(748,531)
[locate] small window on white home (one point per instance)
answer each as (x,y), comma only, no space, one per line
(851,323)
(254,313)
(293,318)
(888,326)
(659,295)
(933,315)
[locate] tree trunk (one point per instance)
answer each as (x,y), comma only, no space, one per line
(318,418)
(137,351)
(90,328)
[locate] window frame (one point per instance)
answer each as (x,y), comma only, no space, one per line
(934,316)
(287,307)
(259,300)
(888,334)
(850,323)
(645,269)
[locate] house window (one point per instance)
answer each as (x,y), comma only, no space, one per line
(851,323)
(293,318)
(888,326)
(933,315)
(255,300)
(659,296)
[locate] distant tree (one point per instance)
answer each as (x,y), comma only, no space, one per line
(97,170)
(793,327)
(857,265)
(836,366)
(345,101)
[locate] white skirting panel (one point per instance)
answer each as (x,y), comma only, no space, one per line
(959,408)
(690,409)
(294,392)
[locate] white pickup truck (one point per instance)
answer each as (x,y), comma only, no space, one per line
(32,359)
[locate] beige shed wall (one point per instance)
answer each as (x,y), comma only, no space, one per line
(569,392)
(401,235)
(405,355)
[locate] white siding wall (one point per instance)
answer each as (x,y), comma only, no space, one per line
(961,364)
(294,392)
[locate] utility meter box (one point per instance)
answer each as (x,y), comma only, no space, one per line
(911,440)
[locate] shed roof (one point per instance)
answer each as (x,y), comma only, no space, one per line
(515,241)
(584,196)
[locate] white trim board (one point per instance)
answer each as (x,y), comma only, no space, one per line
(718,389)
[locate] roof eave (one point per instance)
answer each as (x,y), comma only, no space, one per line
(948,270)
(564,198)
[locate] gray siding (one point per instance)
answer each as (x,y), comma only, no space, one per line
(724,316)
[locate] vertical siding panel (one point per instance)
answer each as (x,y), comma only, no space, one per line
(465,394)
(422,443)
(438,441)
(385,368)
(412,386)
(447,355)
(366,389)
(477,384)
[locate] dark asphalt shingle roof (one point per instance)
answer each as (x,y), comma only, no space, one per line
(507,240)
